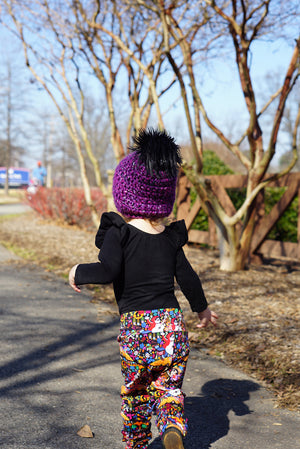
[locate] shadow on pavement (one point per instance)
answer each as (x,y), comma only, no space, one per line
(208,413)
(30,368)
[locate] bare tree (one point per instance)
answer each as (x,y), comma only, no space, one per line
(70,43)
(240,23)
(290,129)
(98,128)
(8,127)
(52,60)
(133,40)
(291,126)
(102,57)
(65,167)
(12,109)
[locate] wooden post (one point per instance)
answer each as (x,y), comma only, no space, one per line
(190,217)
(183,196)
(260,204)
(269,220)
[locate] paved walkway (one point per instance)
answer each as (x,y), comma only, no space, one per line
(14,208)
(59,370)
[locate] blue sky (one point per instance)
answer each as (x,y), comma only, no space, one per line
(220,88)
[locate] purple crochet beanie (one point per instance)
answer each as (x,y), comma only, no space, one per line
(144,182)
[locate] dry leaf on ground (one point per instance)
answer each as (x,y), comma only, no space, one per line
(85,432)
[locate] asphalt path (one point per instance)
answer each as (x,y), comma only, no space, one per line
(59,370)
(14,208)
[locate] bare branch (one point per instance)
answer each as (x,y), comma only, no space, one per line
(260,22)
(288,84)
(269,102)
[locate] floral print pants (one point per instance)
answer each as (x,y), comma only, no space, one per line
(154,350)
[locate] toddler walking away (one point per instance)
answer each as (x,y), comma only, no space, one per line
(142,256)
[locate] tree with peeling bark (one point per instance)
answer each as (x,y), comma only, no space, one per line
(77,37)
(51,56)
(103,58)
(136,43)
(236,23)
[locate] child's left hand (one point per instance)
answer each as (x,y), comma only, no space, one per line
(206,317)
(72,279)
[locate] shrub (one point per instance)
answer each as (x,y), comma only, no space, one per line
(284,230)
(66,205)
(212,165)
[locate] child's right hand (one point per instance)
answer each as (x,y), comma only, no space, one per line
(207,316)
(72,279)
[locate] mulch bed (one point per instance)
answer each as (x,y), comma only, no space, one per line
(258,309)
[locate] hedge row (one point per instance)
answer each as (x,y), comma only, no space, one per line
(67,205)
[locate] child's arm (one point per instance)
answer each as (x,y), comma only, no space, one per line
(104,271)
(191,287)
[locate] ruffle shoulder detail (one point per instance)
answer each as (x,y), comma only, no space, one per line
(178,233)
(108,220)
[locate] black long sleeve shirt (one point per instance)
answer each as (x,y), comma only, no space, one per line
(142,266)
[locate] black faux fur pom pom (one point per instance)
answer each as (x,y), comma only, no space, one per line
(157,151)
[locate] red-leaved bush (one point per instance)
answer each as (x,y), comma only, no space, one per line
(67,205)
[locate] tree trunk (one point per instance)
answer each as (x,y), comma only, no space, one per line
(109,196)
(6,185)
(234,247)
(86,185)
(233,257)
(229,256)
